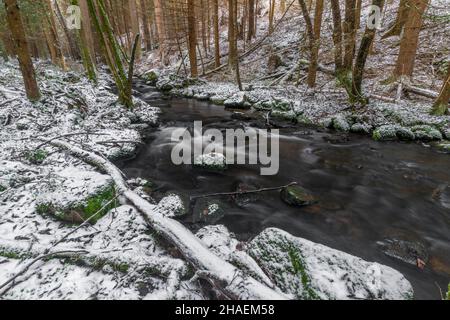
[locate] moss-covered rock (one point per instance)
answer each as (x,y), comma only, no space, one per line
(238,101)
(297,196)
(218,99)
(340,123)
(426,133)
(74,195)
(309,270)
(151,77)
(385,133)
(211,161)
(405,134)
(173,205)
(208,211)
(95,206)
(361,128)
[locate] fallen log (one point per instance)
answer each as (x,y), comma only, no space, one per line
(420,91)
(231,282)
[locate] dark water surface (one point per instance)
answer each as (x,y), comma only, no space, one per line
(367,191)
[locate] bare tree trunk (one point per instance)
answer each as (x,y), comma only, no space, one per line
(440,106)
(251,20)
(356,94)
(232,38)
(310,32)
(410,39)
(52,36)
(146,25)
(216,33)
(349,34)
(312,72)
(134,18)
(87,29)
(159,17)
(192,38)
(402,16)
(15,24)
(337,36)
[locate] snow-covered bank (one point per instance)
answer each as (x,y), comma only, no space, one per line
(46,193)
(405,120)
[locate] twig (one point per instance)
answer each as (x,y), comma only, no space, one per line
(241,192)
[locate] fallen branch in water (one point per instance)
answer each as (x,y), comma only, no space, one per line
(230,281)
(238,193)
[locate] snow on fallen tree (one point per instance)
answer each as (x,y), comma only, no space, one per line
(223,276)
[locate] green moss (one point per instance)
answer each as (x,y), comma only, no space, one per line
(92,205)
(448,292)
(2,188)
(299,269)
(10,254)
(37,156)
(95,203)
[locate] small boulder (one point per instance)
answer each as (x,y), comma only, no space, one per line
(297,196)
(237,101)
(308,270)
(426,133)
(340,123)
(211,161)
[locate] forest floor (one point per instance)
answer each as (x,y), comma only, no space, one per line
(275,82)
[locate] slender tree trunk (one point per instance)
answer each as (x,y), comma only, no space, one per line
(440,106)
(192,38)
(310,32)
(216,33)
(400,20)
(312,72)
(146,25)
(134,18)
(410,39)
(15,24)
(73,49)
(232,38)
(356,94)
(337,36)
(51,34)
(251,20)
(271,15)
(159,17)
(349,34)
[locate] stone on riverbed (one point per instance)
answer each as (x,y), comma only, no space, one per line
(407,251)
(426,133)
(211,161)
(308,270)
(173,205)
(393,132)
(237,101)
(151,77)
(297,196)
(208,211)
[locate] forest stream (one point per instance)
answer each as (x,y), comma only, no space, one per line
(368,192)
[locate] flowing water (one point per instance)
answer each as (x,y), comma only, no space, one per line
(367,191)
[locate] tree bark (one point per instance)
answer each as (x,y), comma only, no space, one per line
(440,106)
(251,20)
(349,34)
(356,94)
(146,25)
(14,19)
(159,17)
(192,38)
(337,36)
(312,72)
(410,39)
(134,18)
(216,33)
(402,16)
